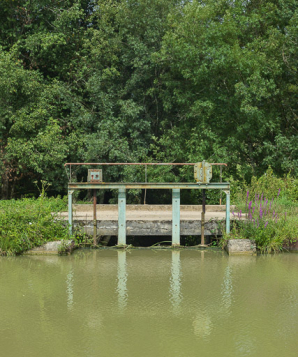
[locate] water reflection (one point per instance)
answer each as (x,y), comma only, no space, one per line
(175,282)
(122,280)
(202,324)
(69,289)
(181,303)
(227,290)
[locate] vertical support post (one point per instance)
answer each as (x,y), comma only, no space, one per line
(145,194)
(203,217)
(94,218)
(176,217)
(227,212)
(220,180)
(70,192)
(121,216)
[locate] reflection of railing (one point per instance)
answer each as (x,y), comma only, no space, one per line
(174,186)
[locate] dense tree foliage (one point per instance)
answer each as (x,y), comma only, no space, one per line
(162,80)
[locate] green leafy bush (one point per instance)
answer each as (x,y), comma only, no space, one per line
(28,223)
(270,236)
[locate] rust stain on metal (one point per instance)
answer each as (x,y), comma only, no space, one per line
(139,163)
(94,218)
(203,172)
(94,175)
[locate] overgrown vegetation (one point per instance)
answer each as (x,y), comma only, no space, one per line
(146,80)
(267,212)
(143,81)
(28,222)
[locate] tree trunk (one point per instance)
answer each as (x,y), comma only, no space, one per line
(5,186)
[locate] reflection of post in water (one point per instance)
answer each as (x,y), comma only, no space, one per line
(69,289)
(202,270)
(202,322)
(175,281)
(122,279)
(227,289)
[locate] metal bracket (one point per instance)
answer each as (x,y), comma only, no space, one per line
(70,192)
(203,172)
(94,175)
(227,192)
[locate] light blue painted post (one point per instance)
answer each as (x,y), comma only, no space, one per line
(228,212)
(70,211)
(121,216)
(176,216)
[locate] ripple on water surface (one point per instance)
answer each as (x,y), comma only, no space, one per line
(149,303)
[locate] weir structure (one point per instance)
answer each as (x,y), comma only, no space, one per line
(202,175)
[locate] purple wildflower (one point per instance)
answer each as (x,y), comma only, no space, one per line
(253,210)
(265,224)
(278,192)
(261,213)
(270,204)
(249,205)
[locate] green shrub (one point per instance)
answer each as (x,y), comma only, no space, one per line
(29,222)
(269,235)
(270,207)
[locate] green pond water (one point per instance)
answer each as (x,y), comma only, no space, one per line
(149,303)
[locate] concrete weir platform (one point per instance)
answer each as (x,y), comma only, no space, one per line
(148,220)
(54,248)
